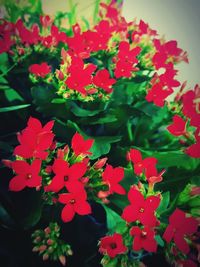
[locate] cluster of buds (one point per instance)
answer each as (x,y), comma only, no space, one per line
(49,246)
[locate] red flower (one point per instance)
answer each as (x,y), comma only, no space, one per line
(124,69)
(35,140)
(157,94)
(125,54)
(141,209)
(112,176)
(179,227)
(126,59)
(141,165)
(80,75)
(40,70)
(81,146)
(191,105)
(178,127)
(67,176)
(143,239)
(27,36)
(102,80)
(26,175)
(74,203)
(112,245)
(194,150)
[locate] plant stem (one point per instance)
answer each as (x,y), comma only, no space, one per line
(129,130)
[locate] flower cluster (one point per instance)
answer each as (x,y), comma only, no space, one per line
(48,244)
(144,225)
(62,175)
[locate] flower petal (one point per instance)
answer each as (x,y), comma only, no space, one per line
(17,183)
(67,213)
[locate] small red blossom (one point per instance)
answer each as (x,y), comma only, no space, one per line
(178,127)
(100,163)
(80,75)
(157,94)
(147,165)
(102,79)
(70,177)
(127,54)
(191,105)
(26,175)
(124,69)
(143,239)
(27,36)
(141,209)
(112,245)
(40,70)
(35,140)
(45,21)
(81,146)
(194,150)
(180,226)
(75,202)
(112,176)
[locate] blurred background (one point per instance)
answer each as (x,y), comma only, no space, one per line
(179,20)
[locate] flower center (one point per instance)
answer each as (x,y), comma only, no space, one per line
(29,176)
(141,210)
(72,201)
(66,178)
(143,234)
(113,245)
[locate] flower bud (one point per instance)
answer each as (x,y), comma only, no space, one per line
(45,257)
(49,242)
(100,163)
(42,248)
(7,163)
(62,260)
(195,190)
(35,249)
(103,194)
(48,169)
(47,230)
(92,91)
(60,75)
(69,252)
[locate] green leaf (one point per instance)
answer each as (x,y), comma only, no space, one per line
(106,119)
(159,240)
(58,100)
(112,218)
(164,202)
(35,211)
(80,112)
(7,109)
(102,145)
